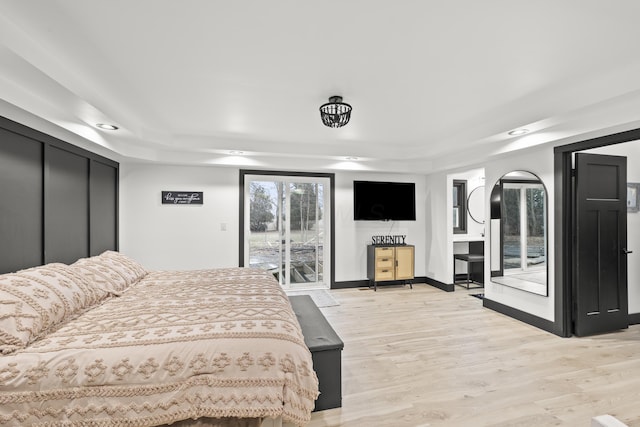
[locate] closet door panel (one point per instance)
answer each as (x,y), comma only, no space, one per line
(66,206)
(21,201)
(103,198)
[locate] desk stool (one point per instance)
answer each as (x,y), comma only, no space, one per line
(470,259)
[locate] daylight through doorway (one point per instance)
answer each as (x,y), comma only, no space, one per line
(286,228)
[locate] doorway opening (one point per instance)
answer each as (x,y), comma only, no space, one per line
(287,227)
(565,273)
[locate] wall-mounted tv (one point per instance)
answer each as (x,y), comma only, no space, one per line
(384,201)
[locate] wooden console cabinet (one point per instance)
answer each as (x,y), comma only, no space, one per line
(387,263)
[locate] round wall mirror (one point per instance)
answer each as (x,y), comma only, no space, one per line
(518,228)
(475,204)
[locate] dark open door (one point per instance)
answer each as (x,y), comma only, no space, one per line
(600,280)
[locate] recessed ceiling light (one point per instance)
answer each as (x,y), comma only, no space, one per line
(236,153)
(352,158)
(518,132)
(106,126)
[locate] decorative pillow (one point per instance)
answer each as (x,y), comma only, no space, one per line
(34,300)
(110,271)
(126,266)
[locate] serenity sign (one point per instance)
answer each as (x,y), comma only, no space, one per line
(397,240)
(182,197)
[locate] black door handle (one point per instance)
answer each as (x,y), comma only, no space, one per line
(626,252)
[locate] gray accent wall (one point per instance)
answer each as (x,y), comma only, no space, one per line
(58,202)
(103,207)
(21,202)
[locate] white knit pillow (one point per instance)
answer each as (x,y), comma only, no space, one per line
(34,300)
(110,271)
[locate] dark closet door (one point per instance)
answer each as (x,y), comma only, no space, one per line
(21,198)
(103,182)
(600,280)
(66,206)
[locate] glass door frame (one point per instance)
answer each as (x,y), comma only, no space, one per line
(244,226)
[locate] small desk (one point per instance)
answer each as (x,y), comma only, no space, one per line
(470,259)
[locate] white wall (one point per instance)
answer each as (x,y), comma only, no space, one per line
(190,237)
(540,163)
(352,237)
(439,263)
(632,151)
(179,236)
(438,233)
(440,238)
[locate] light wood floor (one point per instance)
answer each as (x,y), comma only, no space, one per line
(425,357)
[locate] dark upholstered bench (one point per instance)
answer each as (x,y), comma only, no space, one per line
(326,350)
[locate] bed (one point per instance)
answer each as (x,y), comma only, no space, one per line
(102,342)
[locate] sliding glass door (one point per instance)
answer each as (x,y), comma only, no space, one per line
(286,228)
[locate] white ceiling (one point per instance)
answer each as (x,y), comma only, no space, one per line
(434,84)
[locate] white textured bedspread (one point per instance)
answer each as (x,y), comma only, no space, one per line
(174,346)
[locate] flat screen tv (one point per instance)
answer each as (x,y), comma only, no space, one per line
(384,201)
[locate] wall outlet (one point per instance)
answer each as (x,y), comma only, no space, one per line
(223,226)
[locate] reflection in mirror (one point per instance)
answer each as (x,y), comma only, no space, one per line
(475,204)
(519,232)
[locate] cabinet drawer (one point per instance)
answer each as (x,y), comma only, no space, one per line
(385,262)
(384,274)
(384,252)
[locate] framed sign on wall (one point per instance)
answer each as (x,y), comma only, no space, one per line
(182,197)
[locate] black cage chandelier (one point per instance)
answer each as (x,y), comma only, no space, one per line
(335,113)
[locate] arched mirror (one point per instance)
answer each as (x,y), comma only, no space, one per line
(475,204)
(519,232)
